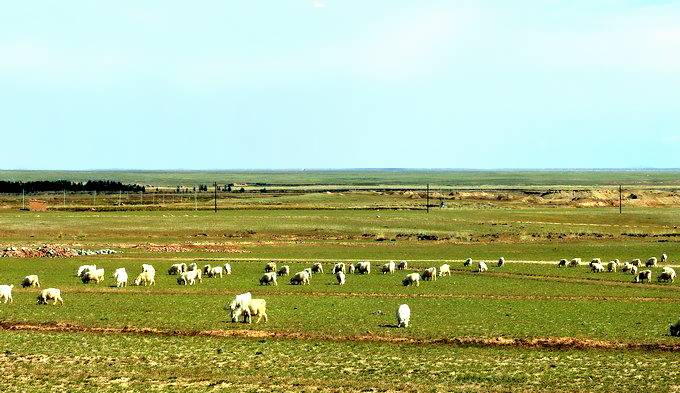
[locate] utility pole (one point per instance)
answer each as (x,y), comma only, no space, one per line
(428,198)
(215,197)
(620,198)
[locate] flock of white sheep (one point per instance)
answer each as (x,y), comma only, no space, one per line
(243,307)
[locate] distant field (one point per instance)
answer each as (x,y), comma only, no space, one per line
(459,178)
(528,326)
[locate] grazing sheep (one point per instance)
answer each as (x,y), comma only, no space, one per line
(340,276)
(562,263)
(227,268)
(95,276)
(429,274)
(444,270)
(192,266)
(6,293)
(339,267)
(85,268)
(501,262)
(284,271)
(644,275)
(148,268)
(403,315)
(626,267)
(177,268)
(576,262)
(189,277)
(675,329)
(634,270)
(350,269)
(636,262)
(255,307)
(146,278)
(651,262)
(594,261)
(664,258)
(468,262)
(30,281)
(206,269)
(363,267)
(410,279)
(403,265)
(270,267)
(268,279)
(611,266)
(389,267)
(239,301)
(300,278)
(481,267)
(317,268)
(666,275)
(597,267)
(215,271)
(50,294)
(308,271)
(121,277)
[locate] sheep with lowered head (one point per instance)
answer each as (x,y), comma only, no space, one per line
(339,267)
(30,281)
(501,262)
(468,262)
(340,276)
(403,315)
(254,307)
(481,267)
(215,271)
(149,268)
(664,258)
(636,262)
(611,266)
(268,279)
(429,274)
(576,262)
(389,267)
(597,267)
(6,293)
(651,262)
(85,268)
(626,267)
(363,267)
(562,263)
(675,329)
(121,277)
(188,277)
(227,268)
(666,275)
(645,275)
(317,268)
(300,278)
(350,268)
(634,270)
(146,278)
(402,265)
(177,268)
(50,294)
(444,270)
(239,301)
(284,271)
(93,276)
(410,279)
(270,267)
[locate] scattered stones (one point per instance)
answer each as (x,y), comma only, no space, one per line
(50,251)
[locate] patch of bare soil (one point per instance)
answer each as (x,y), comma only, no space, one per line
(465,341)
(49,251)
(191,247)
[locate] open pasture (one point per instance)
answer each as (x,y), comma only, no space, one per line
(526,326)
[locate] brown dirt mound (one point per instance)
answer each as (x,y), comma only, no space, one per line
(535,343)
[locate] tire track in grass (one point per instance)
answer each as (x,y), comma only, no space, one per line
(564,343)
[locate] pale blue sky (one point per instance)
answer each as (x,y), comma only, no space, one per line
(339,84)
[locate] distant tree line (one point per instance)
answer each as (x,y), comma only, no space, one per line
(16,187)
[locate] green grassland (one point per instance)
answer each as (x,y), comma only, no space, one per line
(326,337)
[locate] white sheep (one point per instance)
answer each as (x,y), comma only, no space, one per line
(284,271)
(6,293)
(146,278)
(410,279)
(389,267)
(576,262)
(444,270)
(192,266)
(30,281)
(363,267)
(300,278)
(611,266)
(95,276)
(239,301)
(626,267)
(468,262)
(85,268)
(215,271)
(403,265)
(562,263)
(636,262)
(206,269)
(597,267)
(317,268)
(270,267)
(227,268)
(634,270)
(651,262)
(501,262)
(268,279)
(177,268)
(667,275)
(429,274)
(664,258)
(481,267)
(148,268)
(594,261)
(121,277)
(340,276)
(188,277)
(644,275)
(50,294)
(403,315)
(255,307)
(350,269)
(339,267)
